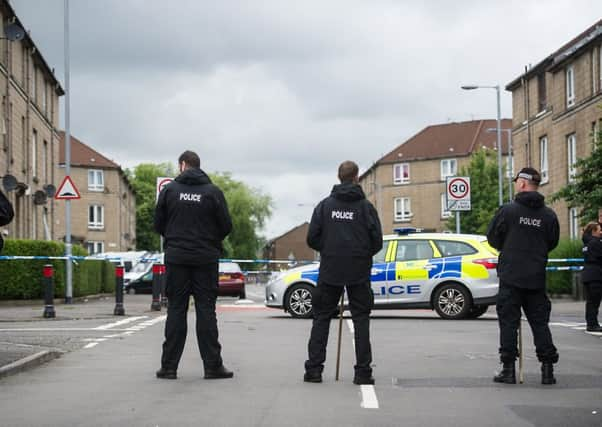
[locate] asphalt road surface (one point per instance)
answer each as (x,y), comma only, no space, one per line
(429,372)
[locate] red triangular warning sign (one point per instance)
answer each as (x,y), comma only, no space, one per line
(67,190)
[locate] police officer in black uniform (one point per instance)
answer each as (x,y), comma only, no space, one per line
(345,229)
(591,276)
(524,232)
(6,214)
(192,216)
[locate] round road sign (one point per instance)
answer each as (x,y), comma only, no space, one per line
(458,188)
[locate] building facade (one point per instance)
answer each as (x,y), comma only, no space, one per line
(291,246)
(407,186)
(104,219)
(29,119)
(557,112)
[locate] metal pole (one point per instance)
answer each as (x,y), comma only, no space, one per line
(499,147)
(69,264)
(457,222)
(520,352)
(510,171)
(340,334)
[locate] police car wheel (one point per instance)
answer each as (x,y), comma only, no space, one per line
(298,301)
(131,291)
(452,301)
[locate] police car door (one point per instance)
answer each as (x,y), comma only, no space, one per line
(378,274)
(411,275)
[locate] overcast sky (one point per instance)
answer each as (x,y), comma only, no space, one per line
(279,92)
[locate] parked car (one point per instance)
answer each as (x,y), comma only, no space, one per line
(453,274)
(231,282)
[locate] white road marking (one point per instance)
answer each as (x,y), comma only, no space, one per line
(369,400)
(92,344)
(246,305)
(120,322)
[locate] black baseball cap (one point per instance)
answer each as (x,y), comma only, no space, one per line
(529,174)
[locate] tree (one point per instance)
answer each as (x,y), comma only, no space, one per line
(484,199)
(585,191)
(249,209)
(144,180)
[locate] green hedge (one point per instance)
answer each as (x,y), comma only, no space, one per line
(561,282)
(22,279)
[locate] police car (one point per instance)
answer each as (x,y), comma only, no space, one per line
(453,274)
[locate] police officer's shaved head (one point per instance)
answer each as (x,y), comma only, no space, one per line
(190,158)
(348,171)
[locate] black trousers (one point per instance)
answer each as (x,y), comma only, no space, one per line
(325,299)
(537,308)
(593,296)
(201,282)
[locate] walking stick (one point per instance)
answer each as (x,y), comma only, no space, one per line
(520,352)
(340,333)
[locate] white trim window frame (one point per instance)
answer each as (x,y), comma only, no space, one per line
(574,223)
(600,68)
(95,247)
(543,159)
(449,167)
(445,213)
(571,149)
(96,217)
(96,180)
(34,153)
(570,86)
(402,209)
(401,173)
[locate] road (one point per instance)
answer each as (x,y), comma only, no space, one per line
(428,372)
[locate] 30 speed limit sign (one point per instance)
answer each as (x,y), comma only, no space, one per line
(458,193)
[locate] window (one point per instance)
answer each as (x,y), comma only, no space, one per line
(45,162)
(96,217)
(445,213)
(448,168)
(95,247)
(380,255)
(34,153)
(409,250)
(571,143)
(403,211)
(34,84)
(600,67)
(450,248)
(543,159)
(44,103)
(401,173)
(593,70)
(573,223)
(570,86)
(541,92)
(96,180)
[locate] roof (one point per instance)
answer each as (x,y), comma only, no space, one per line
(445,140)
(560,56)
(10,15)
(289,231)
(83,155)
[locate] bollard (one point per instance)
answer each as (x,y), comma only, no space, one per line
(157,270)
(119,310)
(163,286)
(48,292)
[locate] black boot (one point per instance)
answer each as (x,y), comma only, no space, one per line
(218,373)
(507,375)
(167,374)
(547,373)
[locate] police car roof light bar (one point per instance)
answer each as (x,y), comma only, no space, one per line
(407,230)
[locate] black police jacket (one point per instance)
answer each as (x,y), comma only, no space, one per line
(345,229)
(192,215)
(6,214)
(592,256)
(524,231)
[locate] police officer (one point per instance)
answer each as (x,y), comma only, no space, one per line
(6,214)
(345,229)
(524,231)
(192,216)
(591,276)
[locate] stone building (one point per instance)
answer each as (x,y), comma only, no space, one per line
(29,118)
(407,186)
(104,219)
(556,109)
(290,246)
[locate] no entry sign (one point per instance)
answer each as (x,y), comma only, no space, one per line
(458,193)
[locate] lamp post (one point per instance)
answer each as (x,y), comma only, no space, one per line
(499,136)
(510,156)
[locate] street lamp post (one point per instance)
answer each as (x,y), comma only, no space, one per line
(499,136)
(510,156)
